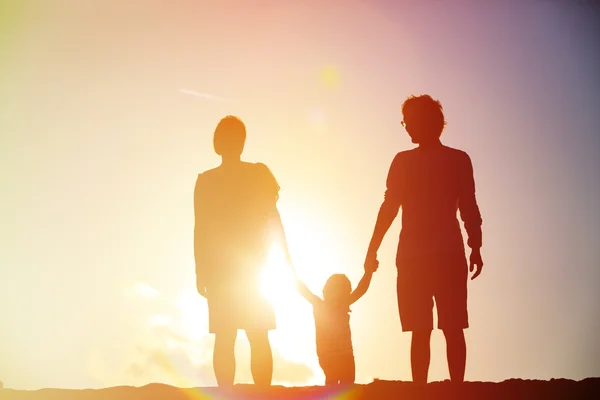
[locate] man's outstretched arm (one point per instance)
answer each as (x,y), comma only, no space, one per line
(385,217)
(387,212)
(469,213)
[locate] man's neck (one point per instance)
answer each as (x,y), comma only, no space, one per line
(431,144)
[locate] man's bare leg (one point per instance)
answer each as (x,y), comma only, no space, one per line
(420,355)
(329,380)
(261,357)
(348,372)
(456,352)
(224,357)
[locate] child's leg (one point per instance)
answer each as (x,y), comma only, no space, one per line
(340,370)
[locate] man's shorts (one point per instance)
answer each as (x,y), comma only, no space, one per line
(421,279)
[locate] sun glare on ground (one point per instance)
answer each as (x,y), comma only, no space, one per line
(186,315)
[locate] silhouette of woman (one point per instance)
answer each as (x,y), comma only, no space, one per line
(236,223)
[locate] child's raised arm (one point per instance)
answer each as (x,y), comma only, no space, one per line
(362,287)
(306,293)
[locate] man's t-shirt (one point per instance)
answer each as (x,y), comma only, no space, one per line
(431,185)
(233,207)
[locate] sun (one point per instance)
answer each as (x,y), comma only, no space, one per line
(295,324)
(277,280)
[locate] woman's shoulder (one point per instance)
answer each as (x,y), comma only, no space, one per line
(265,176)
(208,173)
(261,168)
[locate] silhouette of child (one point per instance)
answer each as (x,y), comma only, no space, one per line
(332,324)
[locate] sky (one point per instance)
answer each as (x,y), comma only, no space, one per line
(107,111)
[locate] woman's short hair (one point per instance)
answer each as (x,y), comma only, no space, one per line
(230,136)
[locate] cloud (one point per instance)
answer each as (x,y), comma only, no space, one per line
(136,371)
(173,364)
(290,372)
(176,366)
(165,333)
(144,290)
(160,320)
(201,95)
(171,345)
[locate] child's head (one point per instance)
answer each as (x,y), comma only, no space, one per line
(337,288)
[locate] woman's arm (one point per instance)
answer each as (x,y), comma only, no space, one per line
(306,293)
(278,235)
(199,245)
(271,191)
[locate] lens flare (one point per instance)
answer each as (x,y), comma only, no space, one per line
(330,77)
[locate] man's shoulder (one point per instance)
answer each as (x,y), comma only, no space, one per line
(456,152)
(404,154)
(457,156)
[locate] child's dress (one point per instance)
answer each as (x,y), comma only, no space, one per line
(334,340)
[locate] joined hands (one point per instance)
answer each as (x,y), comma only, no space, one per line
(371,263)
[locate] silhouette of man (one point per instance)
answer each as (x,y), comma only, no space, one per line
(236,223)
(431,182)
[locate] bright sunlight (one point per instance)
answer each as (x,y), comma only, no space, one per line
(295,325)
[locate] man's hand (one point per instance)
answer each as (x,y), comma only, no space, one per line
(371,263)
(475,263)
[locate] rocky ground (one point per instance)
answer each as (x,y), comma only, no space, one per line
(512,389)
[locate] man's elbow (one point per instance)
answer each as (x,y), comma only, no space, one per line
(389,209)
(474,218)
(469,211)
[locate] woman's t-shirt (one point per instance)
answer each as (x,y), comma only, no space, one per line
(233,207)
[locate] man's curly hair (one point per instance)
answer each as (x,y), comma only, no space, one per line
(424,111)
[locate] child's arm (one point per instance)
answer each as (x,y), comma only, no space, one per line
(306,293)
(362,287)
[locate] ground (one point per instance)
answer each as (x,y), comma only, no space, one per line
(512,389)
